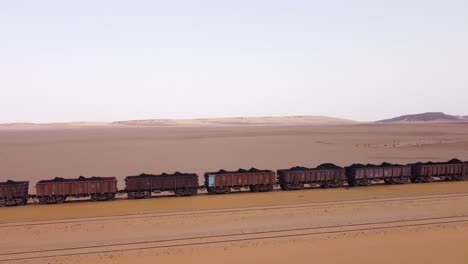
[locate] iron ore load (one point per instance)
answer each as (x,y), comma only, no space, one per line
(143,185)
(453,170)
(256,180)
(325,175)
(364,175)
(14,193)
(59,189)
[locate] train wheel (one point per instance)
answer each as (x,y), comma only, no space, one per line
(269,188)
(364,182)
(3,203)
(60,199)
(337,184)
(179,192)
(255,188)
(227,190)
(387,181)
(21,201)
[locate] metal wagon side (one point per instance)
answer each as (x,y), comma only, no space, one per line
(256,180)
(14,193)
(141,186)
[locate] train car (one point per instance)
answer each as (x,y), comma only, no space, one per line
(466,170)
(59,189)
(256,180)
(325,175)
(364,175)
(141,186)
(453,170)
(14,193)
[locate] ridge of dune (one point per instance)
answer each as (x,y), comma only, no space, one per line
(233,121)
(228,121)
(62,125)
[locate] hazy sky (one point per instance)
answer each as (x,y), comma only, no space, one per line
(118,60)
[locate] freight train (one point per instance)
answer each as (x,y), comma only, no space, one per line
(186,184)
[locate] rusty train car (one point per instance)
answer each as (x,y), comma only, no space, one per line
(222,181)
(14,193)
(143,185)
(59,189)
(453,170)
(325,175)
(364,175)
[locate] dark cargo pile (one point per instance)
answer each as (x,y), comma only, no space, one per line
(452,161)
(9,182)
(383,165)
(251,170)
(81,178)
(177,173)
(325,166)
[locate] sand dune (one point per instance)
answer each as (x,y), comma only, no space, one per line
(234,121)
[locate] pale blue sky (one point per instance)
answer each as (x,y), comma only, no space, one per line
(119,60)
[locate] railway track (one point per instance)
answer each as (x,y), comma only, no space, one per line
(8,257)
(230,210)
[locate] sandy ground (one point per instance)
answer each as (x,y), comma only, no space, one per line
(164,224)
(45,154)
(334,231)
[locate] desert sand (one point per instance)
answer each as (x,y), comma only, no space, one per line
(122,151)
(330,225)
(413,223)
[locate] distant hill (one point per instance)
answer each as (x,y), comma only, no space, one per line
(239,121)
(430,117)
(230,121)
